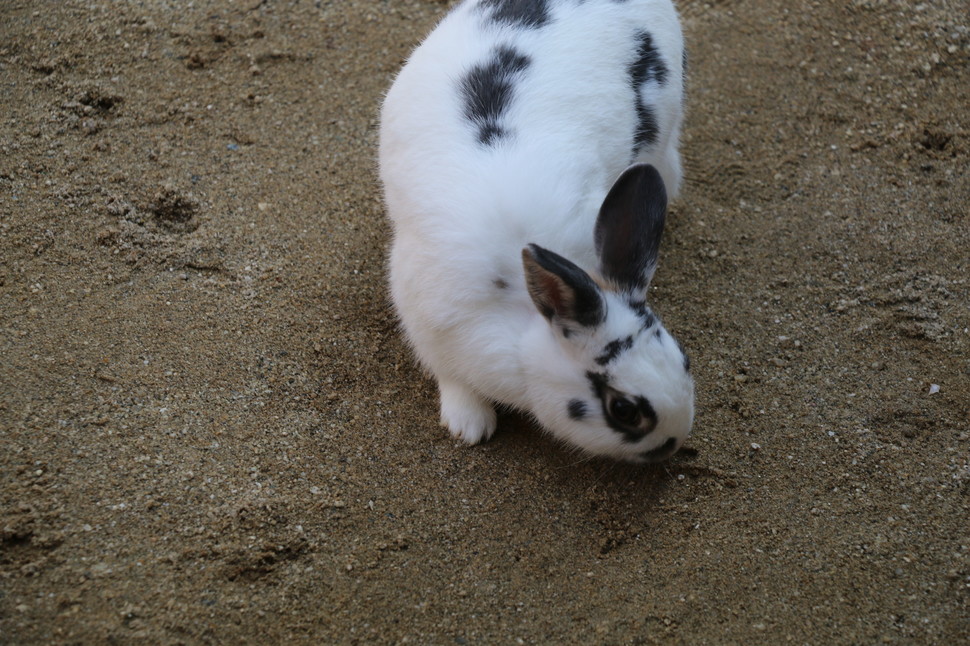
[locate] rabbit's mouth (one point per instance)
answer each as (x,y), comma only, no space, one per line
(661,452)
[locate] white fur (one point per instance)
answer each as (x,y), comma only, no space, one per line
(462,212)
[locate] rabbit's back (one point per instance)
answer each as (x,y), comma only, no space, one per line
(554,98)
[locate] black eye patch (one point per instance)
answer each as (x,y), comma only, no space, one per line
(633,417)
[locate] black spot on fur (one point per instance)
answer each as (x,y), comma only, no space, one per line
(487,90)
(647,317)
(598,381)
(661,452)
(500,283)
(577,409)
(489,132)
(647,128)
(518,13)
(648,66)
(613,350)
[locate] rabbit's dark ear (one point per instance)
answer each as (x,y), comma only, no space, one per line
(629,227)
(561,291)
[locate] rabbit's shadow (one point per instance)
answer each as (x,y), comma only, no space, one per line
(625,492)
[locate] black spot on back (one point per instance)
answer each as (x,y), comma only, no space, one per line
(489,132)
(487,90)
(647,127)
(613,350)
(518,13)
(647,66)
(500,283)
(577,409)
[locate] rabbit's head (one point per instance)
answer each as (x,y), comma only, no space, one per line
(604,374)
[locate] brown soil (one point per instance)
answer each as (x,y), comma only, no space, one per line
(211,432)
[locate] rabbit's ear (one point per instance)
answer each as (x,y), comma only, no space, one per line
(629,227)
(561,291)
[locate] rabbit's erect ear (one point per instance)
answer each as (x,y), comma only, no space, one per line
(561,291)
(629,227)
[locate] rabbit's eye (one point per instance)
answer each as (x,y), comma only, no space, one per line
(624,411)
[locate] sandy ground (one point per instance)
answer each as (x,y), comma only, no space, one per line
(211,432)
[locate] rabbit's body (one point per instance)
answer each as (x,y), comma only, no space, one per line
(507,127)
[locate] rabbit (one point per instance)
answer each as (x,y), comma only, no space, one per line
(527,150)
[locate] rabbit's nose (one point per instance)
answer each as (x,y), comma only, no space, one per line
(662,452)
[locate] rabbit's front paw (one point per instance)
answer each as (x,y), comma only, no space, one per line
(467,416)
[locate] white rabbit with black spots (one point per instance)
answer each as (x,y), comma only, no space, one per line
(527,151)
